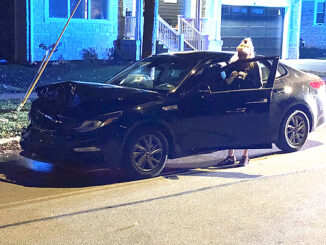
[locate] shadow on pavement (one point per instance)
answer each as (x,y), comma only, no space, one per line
(219,174)
(44,175)
(31,173)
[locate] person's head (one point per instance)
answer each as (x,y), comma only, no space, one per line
(246,49)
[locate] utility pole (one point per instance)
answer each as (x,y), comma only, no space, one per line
(150,27)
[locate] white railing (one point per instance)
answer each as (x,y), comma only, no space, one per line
(203,25)
(169,37)
(195,39)
(130,27)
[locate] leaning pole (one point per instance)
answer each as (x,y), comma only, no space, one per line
(44,64)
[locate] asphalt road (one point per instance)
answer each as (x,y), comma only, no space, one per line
(277,199)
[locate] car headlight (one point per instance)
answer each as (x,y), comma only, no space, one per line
(95,124)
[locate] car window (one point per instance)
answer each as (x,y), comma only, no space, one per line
(241,75)
(154,73)
(211,75)
(264,70)
(281,71)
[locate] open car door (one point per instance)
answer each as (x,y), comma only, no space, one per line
(244,119)
(215,116)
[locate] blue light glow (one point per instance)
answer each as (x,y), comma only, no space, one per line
(40,166)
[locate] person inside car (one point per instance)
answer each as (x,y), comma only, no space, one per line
(243,76)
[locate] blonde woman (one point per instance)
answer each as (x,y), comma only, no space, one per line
(246,75)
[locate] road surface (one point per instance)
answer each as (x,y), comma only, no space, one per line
(277,199)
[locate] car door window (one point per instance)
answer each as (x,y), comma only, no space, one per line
(281,71)
(242,75)
(265,71)
(211,76)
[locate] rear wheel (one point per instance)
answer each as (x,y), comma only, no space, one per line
(145,153)
(293,131)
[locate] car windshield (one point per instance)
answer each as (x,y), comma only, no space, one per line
(162,72)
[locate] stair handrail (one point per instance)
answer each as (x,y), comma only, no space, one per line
(194,38)
(168,36)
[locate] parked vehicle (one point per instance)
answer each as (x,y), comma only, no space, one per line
(170,106)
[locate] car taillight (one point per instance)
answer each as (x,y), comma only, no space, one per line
(317,84)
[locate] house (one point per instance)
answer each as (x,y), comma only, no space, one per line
(30,26)
(313,24)
(274,26)
(33,23)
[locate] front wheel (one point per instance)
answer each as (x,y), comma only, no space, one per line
(294,131)
(145,153)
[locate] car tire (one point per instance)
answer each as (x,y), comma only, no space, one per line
(293,132)
(145,153)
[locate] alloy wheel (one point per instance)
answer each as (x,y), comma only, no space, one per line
(296,130)
(147,152)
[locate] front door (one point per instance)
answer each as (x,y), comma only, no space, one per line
(214,116)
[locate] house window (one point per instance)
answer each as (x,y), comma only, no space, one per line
(239,10)
(320,12)
(81,11)
(58,8)
(98,9)
(87,9)
(170,1)
(257,11)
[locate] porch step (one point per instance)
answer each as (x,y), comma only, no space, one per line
(160,48)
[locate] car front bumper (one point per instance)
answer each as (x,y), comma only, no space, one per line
(97,149)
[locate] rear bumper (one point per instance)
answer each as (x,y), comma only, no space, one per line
(47,146)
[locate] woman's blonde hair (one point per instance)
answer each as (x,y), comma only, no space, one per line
(245,46)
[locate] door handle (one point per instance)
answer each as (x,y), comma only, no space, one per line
(238,110)
(257,102)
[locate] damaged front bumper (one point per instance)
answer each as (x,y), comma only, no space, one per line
(83,150)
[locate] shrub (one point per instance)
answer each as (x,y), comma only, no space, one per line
(50,47)
(89,54)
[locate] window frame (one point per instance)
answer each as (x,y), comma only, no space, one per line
(89,10)
(316,12)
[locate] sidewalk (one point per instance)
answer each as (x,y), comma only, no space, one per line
(21,96)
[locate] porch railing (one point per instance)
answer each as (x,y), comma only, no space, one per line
(173,40)
(203,25)
(130,27)
(195,39)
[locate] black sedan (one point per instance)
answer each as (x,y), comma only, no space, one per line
(170,106)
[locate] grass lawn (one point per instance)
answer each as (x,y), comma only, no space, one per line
(17,78)
(9,125)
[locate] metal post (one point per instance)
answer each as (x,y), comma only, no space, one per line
(139,23)
(179,23)
(197,19)
(47,60)
(181,42)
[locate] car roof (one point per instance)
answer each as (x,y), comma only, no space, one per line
(200,55)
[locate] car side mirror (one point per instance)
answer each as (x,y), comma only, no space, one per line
(204,88)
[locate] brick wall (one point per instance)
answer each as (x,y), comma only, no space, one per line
(313,35)
(80,34)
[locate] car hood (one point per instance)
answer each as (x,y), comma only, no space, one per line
(84,99)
